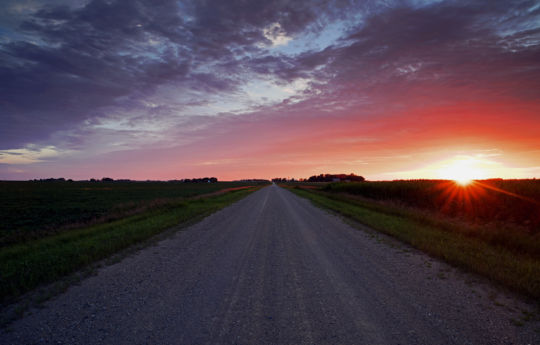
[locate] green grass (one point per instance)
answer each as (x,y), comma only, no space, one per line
(34,209)
(517,270)
(24,266)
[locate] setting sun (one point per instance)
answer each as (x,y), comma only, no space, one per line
(463,171)
(463,181)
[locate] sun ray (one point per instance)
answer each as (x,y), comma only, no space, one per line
(487,186)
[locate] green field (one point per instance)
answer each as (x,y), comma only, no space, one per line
(506,249)
(504,202)
(52,229)
(30,210)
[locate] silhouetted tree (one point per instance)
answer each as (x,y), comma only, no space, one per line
(336,178)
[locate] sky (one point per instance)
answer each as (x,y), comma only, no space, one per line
(260,89)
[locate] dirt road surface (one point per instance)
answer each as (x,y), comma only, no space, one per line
(274,269)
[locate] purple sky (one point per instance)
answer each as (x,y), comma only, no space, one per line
(239,89)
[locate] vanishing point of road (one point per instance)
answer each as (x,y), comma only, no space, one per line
(274,269)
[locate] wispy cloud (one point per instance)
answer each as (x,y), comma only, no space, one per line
(28,155)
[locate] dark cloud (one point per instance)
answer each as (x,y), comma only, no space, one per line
(76,61)
(444,51)
(88,58)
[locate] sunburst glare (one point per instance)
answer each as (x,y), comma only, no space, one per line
(463,170)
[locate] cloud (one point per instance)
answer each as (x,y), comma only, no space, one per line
(74,63)
(28,155)
(276,35)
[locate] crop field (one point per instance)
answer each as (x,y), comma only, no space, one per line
(52,229)
(33,209)
(512,202)
(490,227)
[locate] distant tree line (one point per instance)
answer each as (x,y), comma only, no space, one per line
(335,178)
(201,180)
(282,179)
(60,179)
(108,179)
(324,178)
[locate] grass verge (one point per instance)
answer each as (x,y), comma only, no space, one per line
(519,272)
(24,267)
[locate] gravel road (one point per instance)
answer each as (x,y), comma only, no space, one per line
(274,269)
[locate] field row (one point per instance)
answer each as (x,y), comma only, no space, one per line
(501,202)
(34,209)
